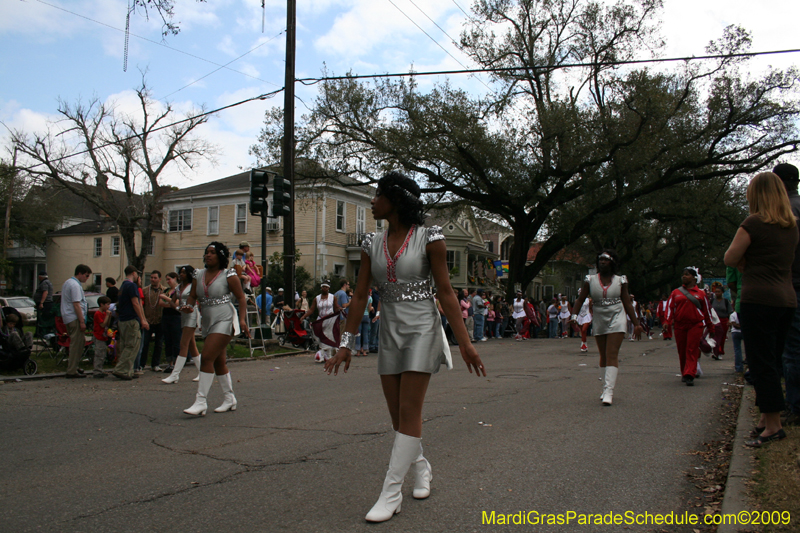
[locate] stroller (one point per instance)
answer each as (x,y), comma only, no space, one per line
(15,352)
(295,333)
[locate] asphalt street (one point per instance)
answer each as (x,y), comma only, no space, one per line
(308,452)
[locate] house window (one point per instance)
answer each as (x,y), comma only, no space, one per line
(489,246)
(213,220)
(241,218)
(97,280)
(340,212)
(151,246)
(379,225)
(453,260)
(361,220)
(338,270)
(180,220)
(115,243)
(466,225)
(98,246)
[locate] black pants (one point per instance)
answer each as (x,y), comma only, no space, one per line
(171,329)
(155,330)
(764,330)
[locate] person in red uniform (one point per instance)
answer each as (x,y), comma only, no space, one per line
(689,315)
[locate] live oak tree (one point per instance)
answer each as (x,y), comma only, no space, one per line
(116,161)
(657,236)
(556,147)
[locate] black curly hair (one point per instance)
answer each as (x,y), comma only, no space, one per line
(614,260)
(404,194)
(223,254)
(189,271)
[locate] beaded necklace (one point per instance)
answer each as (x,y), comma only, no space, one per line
(605,287)
(391,263)
(207,285)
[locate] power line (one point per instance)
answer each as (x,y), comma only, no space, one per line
(453,41)
(462,9)
(427,34)
(193,117)
(155,42)
(312,81)
(224,66)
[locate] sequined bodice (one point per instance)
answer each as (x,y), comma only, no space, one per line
(407,275)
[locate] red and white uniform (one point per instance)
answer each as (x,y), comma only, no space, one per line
(689,323)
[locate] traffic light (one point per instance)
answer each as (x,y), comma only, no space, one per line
(281,197)
(259,191)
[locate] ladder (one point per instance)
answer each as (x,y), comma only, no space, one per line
(252,313)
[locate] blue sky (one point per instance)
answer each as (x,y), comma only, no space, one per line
(49,53)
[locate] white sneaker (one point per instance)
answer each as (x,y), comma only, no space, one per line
(483,339)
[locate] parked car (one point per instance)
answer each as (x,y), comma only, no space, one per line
(24,304)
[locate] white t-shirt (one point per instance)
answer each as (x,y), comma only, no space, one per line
(734,318)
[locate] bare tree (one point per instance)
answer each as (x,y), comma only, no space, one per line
(115,161)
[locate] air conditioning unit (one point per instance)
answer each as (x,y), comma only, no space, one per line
(273,226)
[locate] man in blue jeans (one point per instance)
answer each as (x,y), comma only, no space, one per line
(791,350)
(477,315)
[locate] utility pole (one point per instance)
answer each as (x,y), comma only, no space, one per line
(288,153)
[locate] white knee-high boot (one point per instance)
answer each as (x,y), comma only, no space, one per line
(611,380)
(227,389)
(176,371)
(404,452)
(424,476)
(201,403)
(603,378)
(196,361)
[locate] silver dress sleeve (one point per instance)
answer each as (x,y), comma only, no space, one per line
(623,280)
(435,234)
(588,278)
(366,243)
(231,272)
(196,273)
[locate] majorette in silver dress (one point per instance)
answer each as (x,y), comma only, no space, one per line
(411,335)
(218,315)
(609,313)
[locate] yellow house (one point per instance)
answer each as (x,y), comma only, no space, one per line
(98,244)
(330,221)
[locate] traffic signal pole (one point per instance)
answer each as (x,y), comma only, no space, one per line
(288,153)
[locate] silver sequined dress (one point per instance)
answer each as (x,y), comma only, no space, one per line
(218,315)
(609,313)
(411,335)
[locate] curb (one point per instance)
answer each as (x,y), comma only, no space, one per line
(36,377)
(736,492)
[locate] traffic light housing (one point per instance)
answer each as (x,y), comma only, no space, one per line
(259,191)
(281,197)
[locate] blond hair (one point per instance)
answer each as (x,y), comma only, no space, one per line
(767,198)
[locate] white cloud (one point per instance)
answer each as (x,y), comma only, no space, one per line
(689,26)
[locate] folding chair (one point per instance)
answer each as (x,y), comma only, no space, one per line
(63,342)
